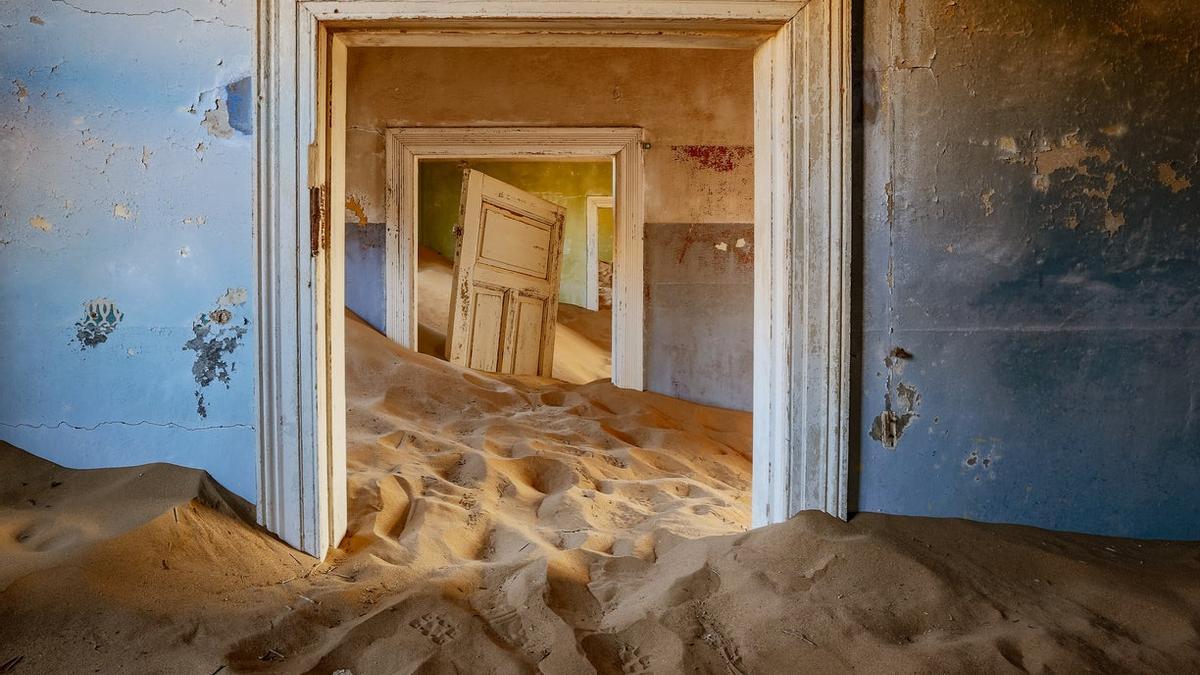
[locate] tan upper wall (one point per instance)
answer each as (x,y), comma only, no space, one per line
(696,107)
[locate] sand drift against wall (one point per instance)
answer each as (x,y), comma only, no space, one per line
(519,525)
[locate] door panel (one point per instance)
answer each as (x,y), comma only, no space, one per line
(506,274)
(528,320)
(487,329)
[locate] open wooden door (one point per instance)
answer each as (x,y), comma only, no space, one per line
(506,271)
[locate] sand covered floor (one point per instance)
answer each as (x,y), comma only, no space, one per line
(503,525)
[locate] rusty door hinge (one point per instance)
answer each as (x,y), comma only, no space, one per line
(317,220)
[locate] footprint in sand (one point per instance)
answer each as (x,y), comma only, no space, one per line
(632,661)
(435,627)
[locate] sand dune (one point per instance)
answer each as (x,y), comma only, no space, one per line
(518,525)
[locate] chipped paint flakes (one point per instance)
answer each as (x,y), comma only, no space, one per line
(1171,180)
(122,211)
(1070,154)
(354,205)
(233,296)
(146,154)
(216,335)
(40,223)
(194,220)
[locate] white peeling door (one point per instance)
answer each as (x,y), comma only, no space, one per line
(506,272)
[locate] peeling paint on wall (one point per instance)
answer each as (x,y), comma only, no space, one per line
(721,158)
(215,337)
(354,205)
(1171,179)
(1029,229)
(899,403)
(100,319)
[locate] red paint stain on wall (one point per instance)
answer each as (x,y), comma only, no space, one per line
(722,158)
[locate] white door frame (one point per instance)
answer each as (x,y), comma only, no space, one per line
(802,224)
(591,293)
(407,146)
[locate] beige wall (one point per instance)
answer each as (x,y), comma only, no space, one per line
(696,107)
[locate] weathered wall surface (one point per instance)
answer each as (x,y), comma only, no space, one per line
(125,234)
(699,277)
(1031,263)
(696,107)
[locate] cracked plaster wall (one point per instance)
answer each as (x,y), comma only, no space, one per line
(125,223)
(1030,349)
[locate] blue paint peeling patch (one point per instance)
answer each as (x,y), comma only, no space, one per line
(100,318)
(239,99)
(215,336)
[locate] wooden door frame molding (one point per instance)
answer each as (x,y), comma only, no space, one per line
(591,272)
(407,146)
(802,224)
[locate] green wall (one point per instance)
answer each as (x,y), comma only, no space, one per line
(568,184)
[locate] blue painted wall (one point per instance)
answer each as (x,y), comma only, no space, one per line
(125,234)
(1029,341)
(1031,264)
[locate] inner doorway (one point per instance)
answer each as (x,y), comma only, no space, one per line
(802,182)
(579,346)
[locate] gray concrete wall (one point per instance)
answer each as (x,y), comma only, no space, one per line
(1030,268)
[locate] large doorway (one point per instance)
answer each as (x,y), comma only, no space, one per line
(801,181)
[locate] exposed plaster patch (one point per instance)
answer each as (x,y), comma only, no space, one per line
(1080,180)
(985,198)
(100,318)
(1113,222)
(233,296)
(215,336)
(37,20)
(40,223)
(1172,180)
(20,91)
(900,406)
(721,246)
(216,121)
(122,211)
(228,110)
(720,158)
(354,205)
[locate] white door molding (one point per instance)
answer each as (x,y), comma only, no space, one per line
(407,146)
(591,293)
(802,227)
